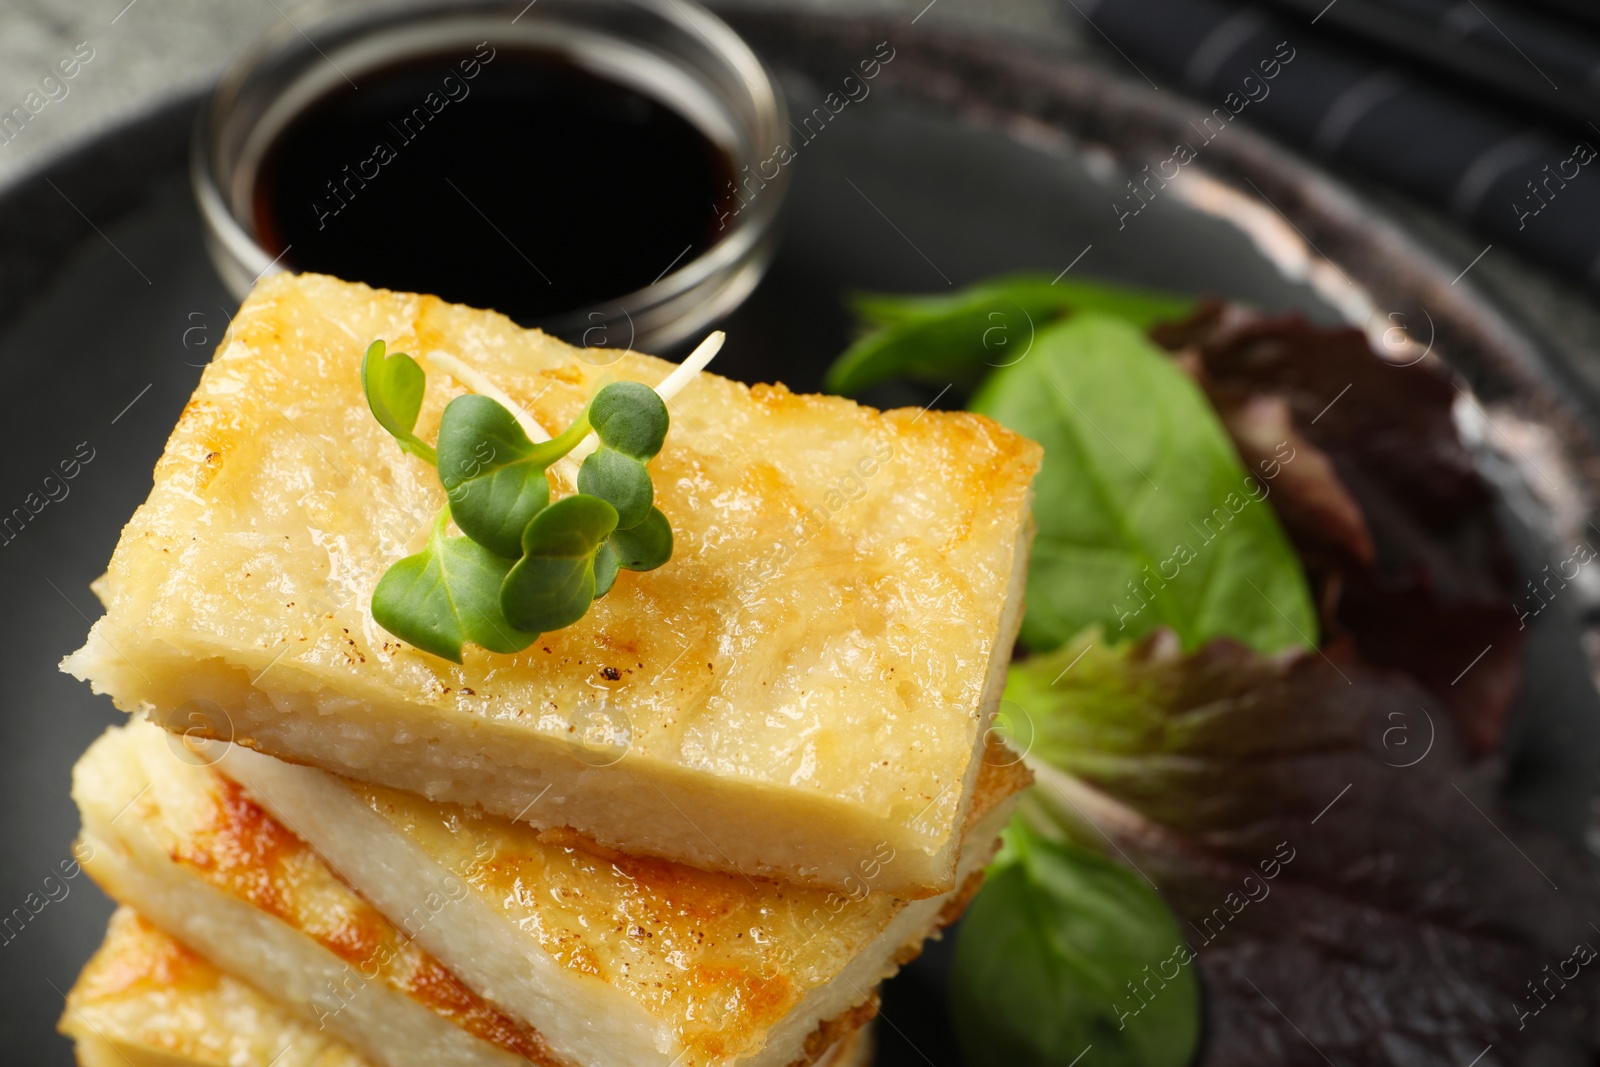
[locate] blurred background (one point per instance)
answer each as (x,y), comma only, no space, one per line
(1474,123)
(1477,121)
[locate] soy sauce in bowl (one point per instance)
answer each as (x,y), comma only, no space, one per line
(511,179)
(603,169)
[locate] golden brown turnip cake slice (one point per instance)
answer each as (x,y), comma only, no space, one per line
(707,966)
(186,849)
(146,1000)
(498,944)
(804,684)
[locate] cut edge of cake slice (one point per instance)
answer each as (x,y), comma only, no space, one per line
(398,851)
(186,846)
(808,677)
(145,999)
(282,933)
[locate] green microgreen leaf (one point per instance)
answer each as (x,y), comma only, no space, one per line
(606,566)
(646,546)
(525,566)
(553,584)
(621,481)
(446,595)
(394,385)
(630,418)
(631,422)
(493,475)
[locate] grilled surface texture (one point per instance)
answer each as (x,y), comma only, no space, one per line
(726,968)
(145,1000)
(185,845)
(805,680)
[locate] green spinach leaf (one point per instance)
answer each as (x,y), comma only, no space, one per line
(1146,516)
(958,339)
(1064,950)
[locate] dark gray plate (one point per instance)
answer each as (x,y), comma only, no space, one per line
(966,160)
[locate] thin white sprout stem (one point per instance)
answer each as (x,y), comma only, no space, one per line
(567,468)
(479,383)
(669,387)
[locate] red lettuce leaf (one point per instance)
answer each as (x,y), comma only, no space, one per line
(1411,911)
(1382,500)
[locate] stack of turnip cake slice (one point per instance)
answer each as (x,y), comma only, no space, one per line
(697,826)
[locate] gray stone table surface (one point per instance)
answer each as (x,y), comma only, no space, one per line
(144,53)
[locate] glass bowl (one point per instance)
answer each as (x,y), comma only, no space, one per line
(673,50)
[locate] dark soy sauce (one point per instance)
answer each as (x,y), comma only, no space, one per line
(511,179)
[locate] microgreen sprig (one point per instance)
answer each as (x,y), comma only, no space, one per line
(394,385)
(525,566)
(493,475)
